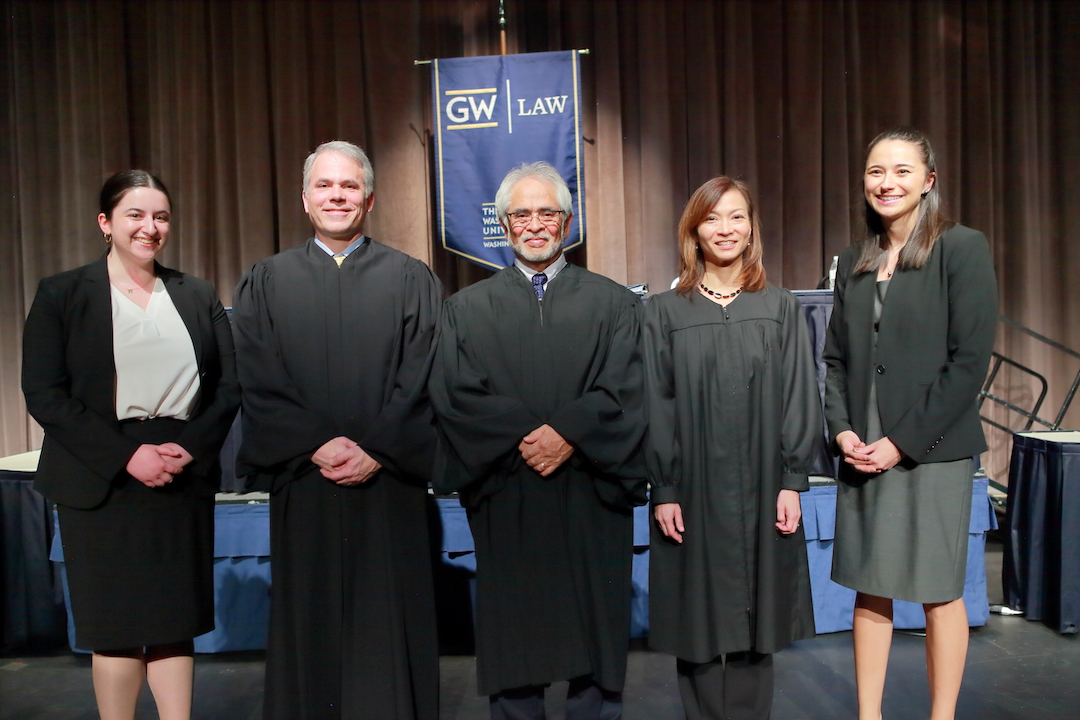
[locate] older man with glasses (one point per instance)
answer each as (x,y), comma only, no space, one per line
(537,386)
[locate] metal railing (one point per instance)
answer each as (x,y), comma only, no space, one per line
(1031,414)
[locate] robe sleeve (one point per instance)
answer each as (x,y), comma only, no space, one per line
(801,402)
(280,431)
(94,440)
(835,355)
(606,424)
(402,436)
(205,433)
(972,289)
(478,429)
(662,439)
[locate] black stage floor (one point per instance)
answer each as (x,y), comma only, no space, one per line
(1016,670)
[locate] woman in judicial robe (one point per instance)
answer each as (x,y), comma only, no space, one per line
(128,366)
(909,341)
(734,417)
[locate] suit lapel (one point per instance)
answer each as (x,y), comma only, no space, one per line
(96,347)
(184,302)
(859,303)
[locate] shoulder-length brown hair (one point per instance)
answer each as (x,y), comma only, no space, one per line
(699,206)
(929,226)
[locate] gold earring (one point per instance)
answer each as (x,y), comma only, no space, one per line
(108,237)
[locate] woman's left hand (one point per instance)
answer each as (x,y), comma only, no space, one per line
(175,453)
(881,455)
(788,511)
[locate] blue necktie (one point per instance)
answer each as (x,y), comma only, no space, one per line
(538,281)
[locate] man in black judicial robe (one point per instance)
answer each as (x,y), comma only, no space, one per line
(334,342)
(537,386)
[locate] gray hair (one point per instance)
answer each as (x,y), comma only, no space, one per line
(353,152)
(541,171)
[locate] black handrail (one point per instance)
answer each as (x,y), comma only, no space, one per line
(1032,414)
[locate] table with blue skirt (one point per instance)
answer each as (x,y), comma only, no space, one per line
(1040,572)
(242,576)
(833,604)
(31,605)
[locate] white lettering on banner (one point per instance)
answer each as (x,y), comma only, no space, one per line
(455,115)
(496,243)
(479,106)
(463,101)
(544,106)
(556,104)
(492,227)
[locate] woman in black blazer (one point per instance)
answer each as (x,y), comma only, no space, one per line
(908,346)
(128,366)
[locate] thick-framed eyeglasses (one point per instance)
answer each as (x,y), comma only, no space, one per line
(547,217)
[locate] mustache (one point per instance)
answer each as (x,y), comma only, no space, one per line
(532,236)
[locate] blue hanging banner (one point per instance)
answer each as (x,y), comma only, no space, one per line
(494,113)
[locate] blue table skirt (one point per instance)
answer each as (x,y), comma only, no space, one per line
(242,569)
(1041,569)
(31,603)
(833,604)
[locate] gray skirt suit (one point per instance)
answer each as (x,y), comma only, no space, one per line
(905,360)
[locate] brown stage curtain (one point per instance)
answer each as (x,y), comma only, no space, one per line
(225,99)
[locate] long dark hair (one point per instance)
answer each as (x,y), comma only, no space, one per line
(120,184)
(697,209)
(929,226)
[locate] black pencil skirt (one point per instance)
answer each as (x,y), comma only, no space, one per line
(140,565)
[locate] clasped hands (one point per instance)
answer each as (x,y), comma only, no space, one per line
(156,465)
(344,462)
(544,450)
(876,457)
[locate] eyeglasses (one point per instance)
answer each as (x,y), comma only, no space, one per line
(547,217)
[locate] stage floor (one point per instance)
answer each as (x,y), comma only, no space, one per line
(1016,669)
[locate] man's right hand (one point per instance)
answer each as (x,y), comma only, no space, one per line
(323,456)
(345,462)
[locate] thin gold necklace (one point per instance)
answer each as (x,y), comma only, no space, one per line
(131,291)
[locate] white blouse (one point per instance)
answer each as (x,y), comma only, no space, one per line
(156,371)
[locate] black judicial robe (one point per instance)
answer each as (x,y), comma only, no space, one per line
(322,352)
(734,417)
(553,554)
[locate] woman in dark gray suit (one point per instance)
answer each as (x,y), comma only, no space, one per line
(128,366)
(908,345)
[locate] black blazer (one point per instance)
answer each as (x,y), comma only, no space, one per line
(936,335)
(69,380)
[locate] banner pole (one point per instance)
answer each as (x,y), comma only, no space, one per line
(502,26)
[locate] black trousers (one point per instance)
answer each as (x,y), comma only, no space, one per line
(585,700)
(736,686)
